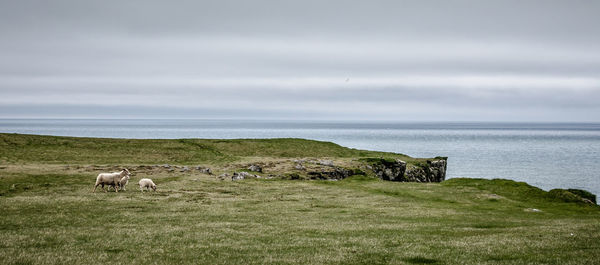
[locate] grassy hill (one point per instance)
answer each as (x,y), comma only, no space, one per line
(21,148)
(50,216)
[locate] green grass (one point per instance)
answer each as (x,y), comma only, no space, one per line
(21,148)
(50,216)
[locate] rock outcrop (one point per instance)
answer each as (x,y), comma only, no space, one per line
(335,174)
(398,170)
(389,169)
(415,170)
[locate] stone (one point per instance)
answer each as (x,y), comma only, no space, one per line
(204,170)
(184,169)
(240,175)
(243,175)
(255,168)
(328,163)
(223,176)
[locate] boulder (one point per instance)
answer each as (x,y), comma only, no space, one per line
(255,168)
(237,176)
(204,170)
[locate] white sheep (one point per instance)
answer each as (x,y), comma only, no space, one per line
(123,183)
(147,183)
(111,179)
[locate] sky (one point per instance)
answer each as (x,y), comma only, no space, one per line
(525,60)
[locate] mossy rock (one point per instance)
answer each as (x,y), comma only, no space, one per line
(584,194)
(568,196)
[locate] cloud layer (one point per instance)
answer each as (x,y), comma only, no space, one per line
(383,60)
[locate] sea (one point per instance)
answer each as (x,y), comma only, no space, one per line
(546,155)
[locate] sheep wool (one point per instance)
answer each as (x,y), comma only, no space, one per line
(147,183)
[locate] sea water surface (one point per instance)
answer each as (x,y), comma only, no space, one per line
(546,155)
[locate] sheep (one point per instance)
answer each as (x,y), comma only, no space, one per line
(146,183)
(124,181)
(112,179)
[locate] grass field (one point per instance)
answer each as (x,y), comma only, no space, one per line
(50,216)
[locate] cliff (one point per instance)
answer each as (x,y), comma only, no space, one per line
(433,170)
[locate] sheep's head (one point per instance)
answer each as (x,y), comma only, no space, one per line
(154,187)
(126,171)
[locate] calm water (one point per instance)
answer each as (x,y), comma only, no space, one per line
(547,155)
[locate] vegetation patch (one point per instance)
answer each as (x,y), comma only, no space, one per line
(583,194)
(50,215)
(572,196)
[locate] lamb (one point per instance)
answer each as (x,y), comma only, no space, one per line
(112,179)
(123,183)
(146,183)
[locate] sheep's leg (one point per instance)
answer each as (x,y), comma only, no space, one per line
(105,190)
(95,186)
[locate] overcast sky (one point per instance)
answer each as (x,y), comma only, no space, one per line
(367,60)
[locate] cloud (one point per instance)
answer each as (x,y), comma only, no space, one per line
(442,60)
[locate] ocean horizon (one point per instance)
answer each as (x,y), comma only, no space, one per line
(546,155)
